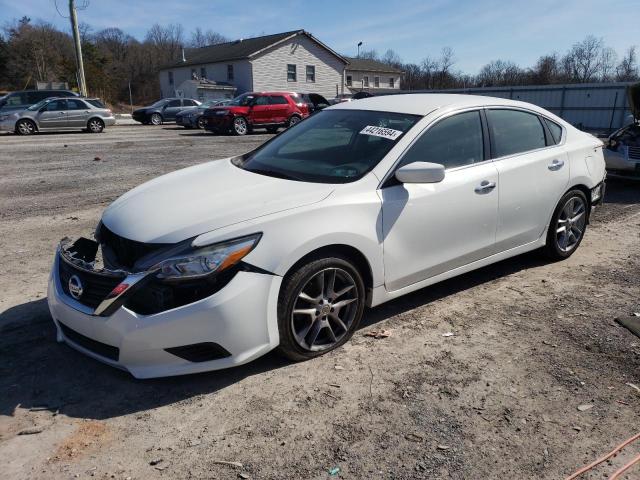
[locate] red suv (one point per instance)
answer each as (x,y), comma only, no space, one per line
(270,110)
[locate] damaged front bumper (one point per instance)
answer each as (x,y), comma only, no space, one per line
(235,325)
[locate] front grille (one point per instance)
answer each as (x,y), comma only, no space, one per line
(127,252)
(95,287)
(634,153)
(99,348)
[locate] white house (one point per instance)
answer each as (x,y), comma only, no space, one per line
(363,74)
(290,61)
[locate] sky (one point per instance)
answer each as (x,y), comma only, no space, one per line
(478,30)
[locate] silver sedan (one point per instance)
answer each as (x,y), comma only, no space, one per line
(59,114)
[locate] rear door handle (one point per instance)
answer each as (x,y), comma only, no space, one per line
(485,187)
(556,165)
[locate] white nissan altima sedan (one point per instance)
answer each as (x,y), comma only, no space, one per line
(284,247)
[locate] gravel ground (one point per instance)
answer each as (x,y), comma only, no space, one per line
(499,398)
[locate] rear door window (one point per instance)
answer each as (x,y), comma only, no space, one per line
(76,105)
(453,142)
(189,103)
(514,131)
(556,131)
(278,100)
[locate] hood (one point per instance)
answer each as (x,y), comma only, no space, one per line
(203,198)
(633,94)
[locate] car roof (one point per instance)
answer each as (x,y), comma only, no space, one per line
(425,103)
(271,93)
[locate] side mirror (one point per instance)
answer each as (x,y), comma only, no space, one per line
(420,172)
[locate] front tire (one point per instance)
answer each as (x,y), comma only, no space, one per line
(156,119)
(26,127)
(319,307)
(240,126)
(293,121)
(95,125)
(568,225)
(201,123)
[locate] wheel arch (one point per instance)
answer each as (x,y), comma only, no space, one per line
(95,117)
(348,252)
(587,193)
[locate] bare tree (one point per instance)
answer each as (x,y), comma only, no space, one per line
(390,57)
(200,38)
(608,58)
(627,69)
(369,55)
(583,61)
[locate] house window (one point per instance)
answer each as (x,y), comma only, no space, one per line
(376,82)
(392,82)
(311,73)
(229,72)
(291,73)
(171,78)
(365,81)
(349,80)
(203,72)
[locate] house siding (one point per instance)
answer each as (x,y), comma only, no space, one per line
(358,76)
(270,68)
(215,71)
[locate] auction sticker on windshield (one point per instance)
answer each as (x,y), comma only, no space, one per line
(383,132)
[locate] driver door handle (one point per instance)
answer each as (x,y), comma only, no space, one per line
(485,187)
(556,165)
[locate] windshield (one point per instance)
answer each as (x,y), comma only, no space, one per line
(242,101)
(38,105)
(159,103)
(333,146)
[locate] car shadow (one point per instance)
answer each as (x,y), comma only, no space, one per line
(38,373)
(622,191)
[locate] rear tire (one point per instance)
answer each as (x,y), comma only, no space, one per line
(319,307)
(156,119)
(95,125)
(201,123)
(26,127)
(568,225)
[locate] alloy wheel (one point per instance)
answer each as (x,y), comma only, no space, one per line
(26,128)
(293,121)
(325,309)
(571,224)
(95,126)
(200,123)
(240,126)
(156,119)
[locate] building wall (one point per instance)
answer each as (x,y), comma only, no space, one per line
(270,68)
(589,106)
(357,77)
(215,71)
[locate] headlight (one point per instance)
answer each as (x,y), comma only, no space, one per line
(207,260)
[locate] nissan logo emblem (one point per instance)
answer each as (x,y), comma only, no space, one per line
(75,287)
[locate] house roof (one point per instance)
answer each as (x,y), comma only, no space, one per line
(241,49)
(368,65)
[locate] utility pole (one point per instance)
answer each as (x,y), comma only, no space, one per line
(82,84)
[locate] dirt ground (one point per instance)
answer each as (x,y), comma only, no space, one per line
(531,341)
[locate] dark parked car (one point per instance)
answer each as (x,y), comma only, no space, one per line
(270,110)
(192,117)
(164,110)
(315,101)
(25,98)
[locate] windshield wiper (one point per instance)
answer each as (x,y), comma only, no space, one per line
(274,173)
